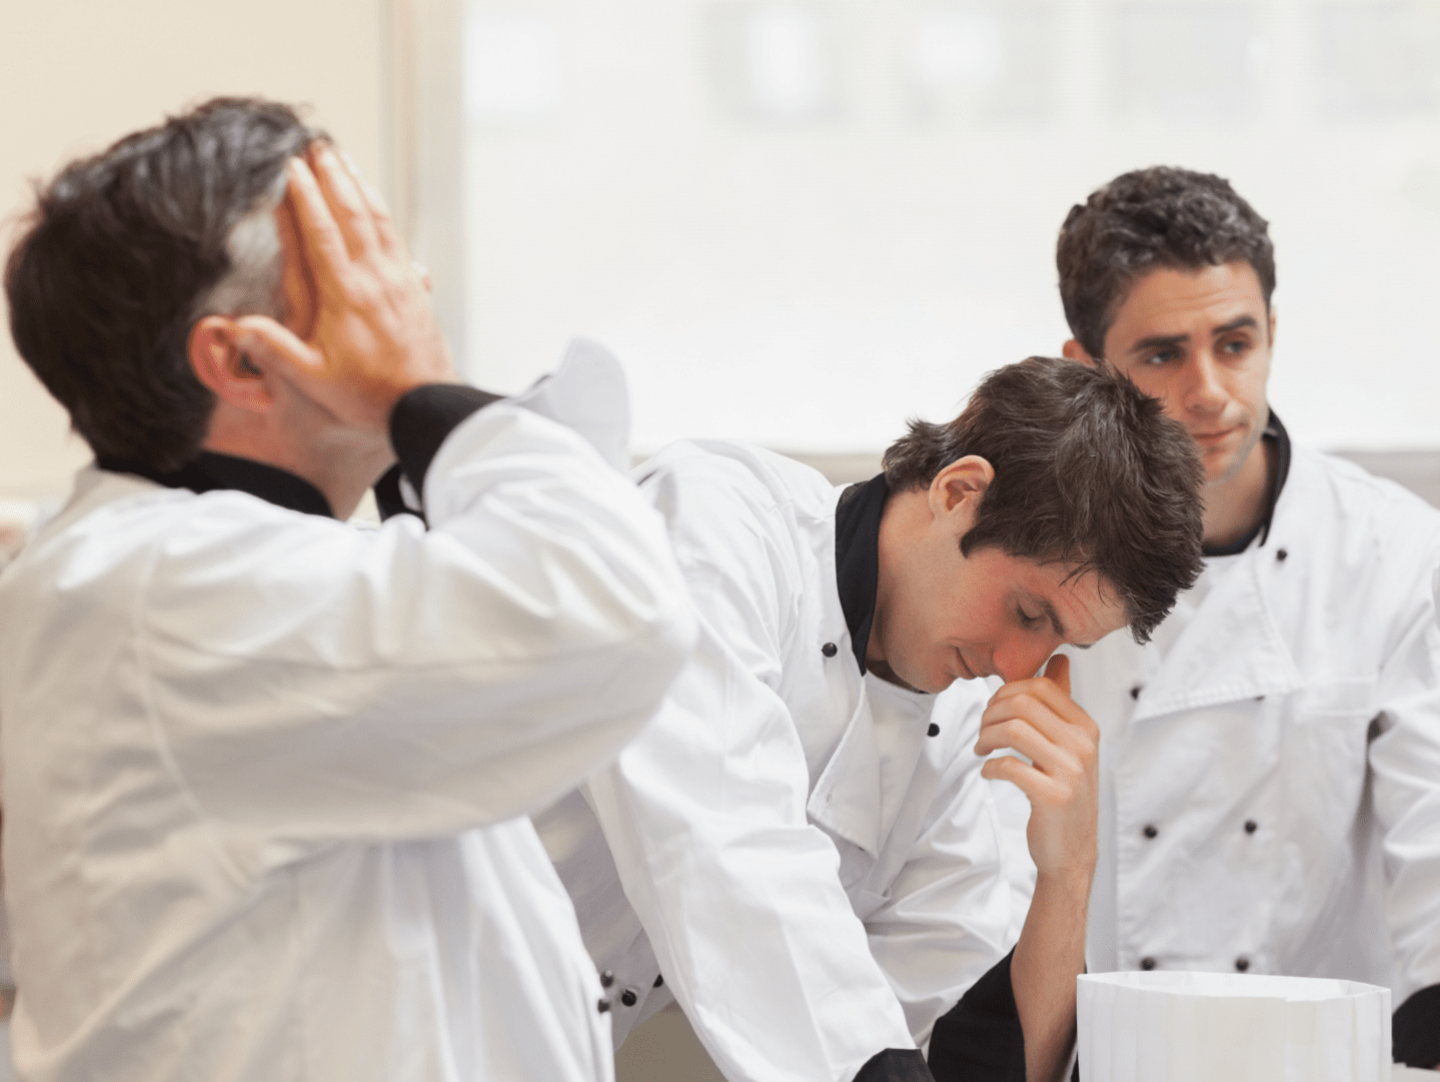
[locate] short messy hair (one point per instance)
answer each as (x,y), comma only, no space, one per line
(1149,218)
(125,250)
(1089,472)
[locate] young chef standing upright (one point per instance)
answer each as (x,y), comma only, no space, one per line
(261,768)
(1270,761)
(793,848)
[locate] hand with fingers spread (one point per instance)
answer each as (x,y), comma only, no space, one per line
(1038,718)
(373,335)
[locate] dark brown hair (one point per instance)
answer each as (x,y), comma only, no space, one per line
(118,256)
(1158,217)
(1088,472)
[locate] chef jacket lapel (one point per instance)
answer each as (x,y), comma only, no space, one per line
(862,789)
(1231,651)
(846,799)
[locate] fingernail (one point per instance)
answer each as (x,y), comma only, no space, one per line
(349,161)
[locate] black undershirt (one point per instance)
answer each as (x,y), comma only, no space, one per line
(210,472)
(420,422)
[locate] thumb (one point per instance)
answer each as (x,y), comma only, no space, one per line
(1058,671)
(275,348)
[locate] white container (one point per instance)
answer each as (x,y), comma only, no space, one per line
(1231,1027)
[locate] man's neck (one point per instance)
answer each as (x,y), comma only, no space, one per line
(341,463)
(1236,506)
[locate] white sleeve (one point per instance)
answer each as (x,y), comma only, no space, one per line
(312,681)
(704,814)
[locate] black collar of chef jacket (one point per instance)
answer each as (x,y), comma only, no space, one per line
(1274,433)
(211,472)
(857,557)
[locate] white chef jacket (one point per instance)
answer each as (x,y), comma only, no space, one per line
(262,769)
(1270,762)
(815,872)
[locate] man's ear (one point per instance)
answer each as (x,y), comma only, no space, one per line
(959,487)
(220,364)
(1272,326)
(1074,351)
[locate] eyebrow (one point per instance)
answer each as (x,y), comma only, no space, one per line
(1053,616)
(1234,325)
(1157,341)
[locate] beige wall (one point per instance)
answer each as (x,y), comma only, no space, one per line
(77,74)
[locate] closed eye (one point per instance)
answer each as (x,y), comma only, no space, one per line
(1026,620)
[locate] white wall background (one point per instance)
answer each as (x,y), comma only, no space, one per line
(77,74)
(801,221)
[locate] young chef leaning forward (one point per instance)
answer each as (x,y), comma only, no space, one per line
(1270,768)
(261,768)
(792,849)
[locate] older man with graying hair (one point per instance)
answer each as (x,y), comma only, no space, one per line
(263,769)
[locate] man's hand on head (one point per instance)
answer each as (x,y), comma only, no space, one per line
(1038,718)
(374,334)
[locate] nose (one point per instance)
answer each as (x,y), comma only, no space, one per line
(1021,660)
(1204,393)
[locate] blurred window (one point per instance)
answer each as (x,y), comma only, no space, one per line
(801,221)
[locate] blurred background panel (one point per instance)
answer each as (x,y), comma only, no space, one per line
(75,75)
(800,222)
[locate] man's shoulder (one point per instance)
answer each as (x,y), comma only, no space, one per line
(723,479)
(759,521)
(117,526)
(1326,491)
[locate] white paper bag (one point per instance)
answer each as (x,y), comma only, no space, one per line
(1231,1027)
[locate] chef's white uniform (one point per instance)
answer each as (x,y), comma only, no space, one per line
(1270,762)
(262,769)
(812,866)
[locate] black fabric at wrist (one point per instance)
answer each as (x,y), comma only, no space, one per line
(423,418)
(979,1039)
(895,1065)
(1415,1029)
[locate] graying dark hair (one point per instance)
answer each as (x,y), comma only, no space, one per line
(126,249)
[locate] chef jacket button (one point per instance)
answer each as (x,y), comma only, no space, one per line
(1150,830)
(829,649)
(659,980)
(934,730)
(607,979)
(1242,964)
(1135,691)
(1280,556)
(1251,826)
(603,1006)
(1147,964)
(628,997)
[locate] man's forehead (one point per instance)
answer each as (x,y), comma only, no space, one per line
(1168,300)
